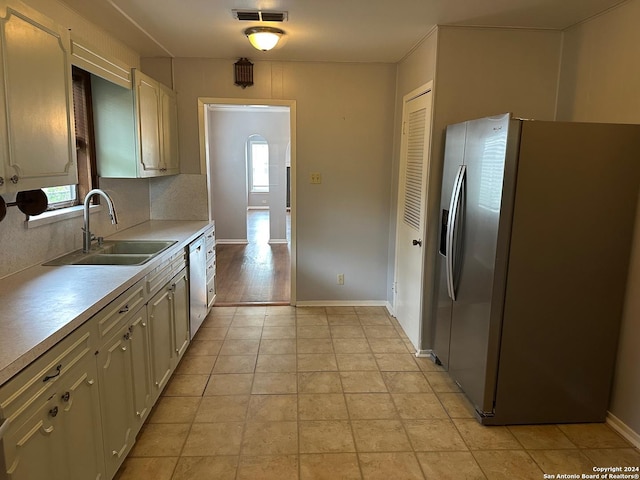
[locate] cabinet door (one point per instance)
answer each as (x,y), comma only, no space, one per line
(148,109)
(32,445)
(141,368)
(160,313)
(170,154)
(38,102)
(180,297)
(116,399)
(60,436)
(79,402)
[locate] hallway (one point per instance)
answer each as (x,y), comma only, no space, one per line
(256,273)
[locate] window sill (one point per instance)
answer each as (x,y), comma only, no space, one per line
(54,216)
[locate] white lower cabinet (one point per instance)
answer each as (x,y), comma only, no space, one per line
(74,413)
(181,335)
(160,345)
(141,367)
(59,434)
(123,378)
(80,410)
(168,329)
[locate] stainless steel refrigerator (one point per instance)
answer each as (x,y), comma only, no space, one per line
(536,227)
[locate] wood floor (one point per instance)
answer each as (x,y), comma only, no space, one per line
(257,273)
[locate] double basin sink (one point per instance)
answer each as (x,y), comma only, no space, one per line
(116,252)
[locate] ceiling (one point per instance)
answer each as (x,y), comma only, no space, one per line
(316,30)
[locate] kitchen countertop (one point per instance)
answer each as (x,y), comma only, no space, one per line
(43,304)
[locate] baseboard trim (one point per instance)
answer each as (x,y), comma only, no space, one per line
(341,303)
(623,429)
(390,309)
(424,353)
(252,304)
(232,241)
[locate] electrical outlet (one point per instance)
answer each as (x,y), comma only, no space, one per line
(315,178)
(341,279)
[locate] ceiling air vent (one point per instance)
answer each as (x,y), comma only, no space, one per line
(259,16)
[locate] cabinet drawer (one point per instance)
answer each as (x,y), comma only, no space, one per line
(211,252)
(164,272)
(211,267)
(210,238)
(41,376)
(111,318)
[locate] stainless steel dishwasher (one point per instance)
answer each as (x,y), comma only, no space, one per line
(197,284)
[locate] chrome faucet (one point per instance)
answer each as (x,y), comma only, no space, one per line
(87,236)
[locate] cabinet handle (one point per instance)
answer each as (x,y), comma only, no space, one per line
(127,336)
(49,377)
(90,382)
(114,453)
(143,324)
(14,179)
(66,396)
(124,309)
(53,412)
(3,428)
(1,181)
(124,349)
(138,414)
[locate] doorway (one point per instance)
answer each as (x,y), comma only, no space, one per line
(256,272)
(255,228)
(411,218)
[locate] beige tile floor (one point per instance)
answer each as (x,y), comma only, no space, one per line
(336,393)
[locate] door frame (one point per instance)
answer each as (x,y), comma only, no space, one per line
(205,161)
(422,90)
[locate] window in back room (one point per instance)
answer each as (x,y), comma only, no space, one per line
(69,195)
(258,162)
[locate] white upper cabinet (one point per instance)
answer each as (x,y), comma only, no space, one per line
(158,123)
(169,129)
(37,128)
(149,111)
(136,130)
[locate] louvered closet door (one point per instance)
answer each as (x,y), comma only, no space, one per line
(414,164)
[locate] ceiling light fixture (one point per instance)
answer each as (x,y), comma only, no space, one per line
(263,38)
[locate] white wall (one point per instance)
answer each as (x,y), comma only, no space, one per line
(478,72)
(414,71)
(344,131)
(228,132)
(599,83)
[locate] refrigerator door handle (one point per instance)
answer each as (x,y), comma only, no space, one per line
(451,226)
